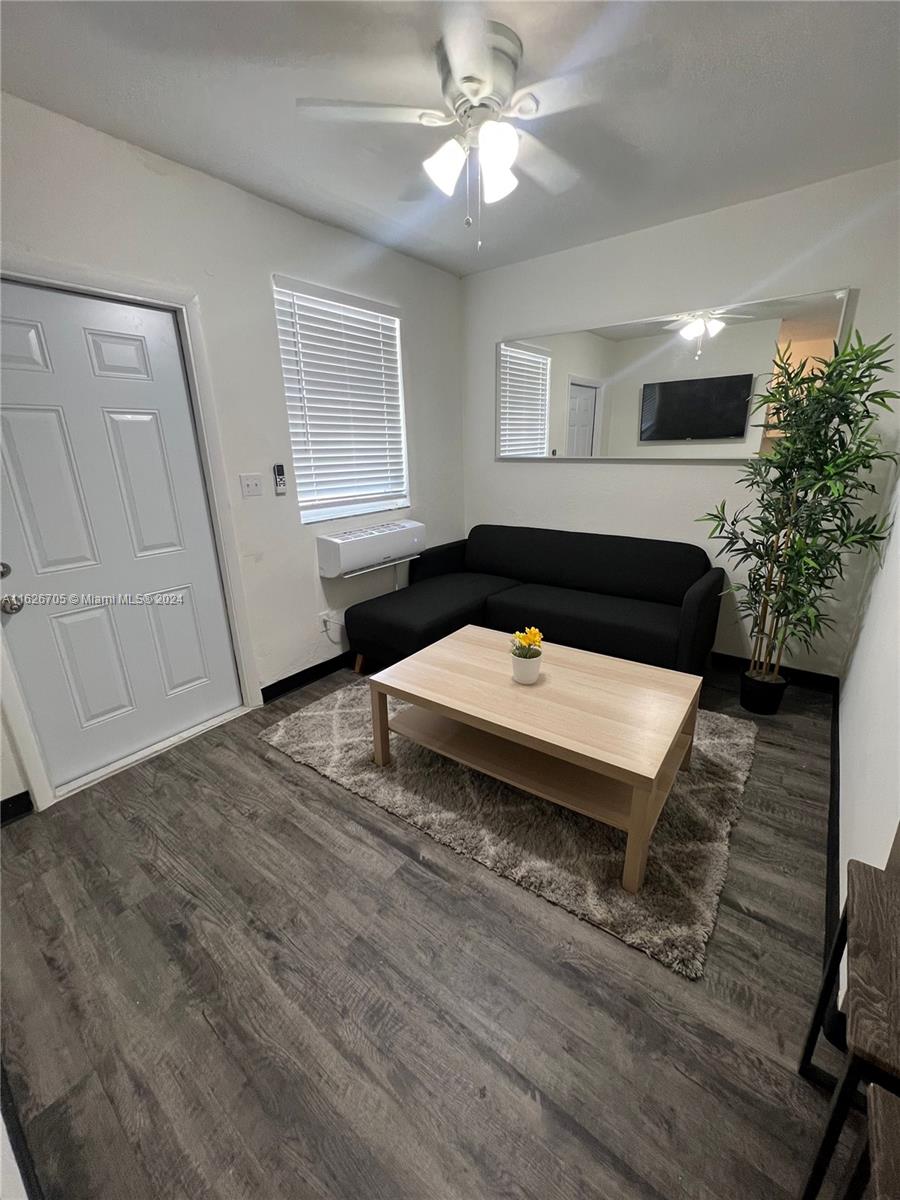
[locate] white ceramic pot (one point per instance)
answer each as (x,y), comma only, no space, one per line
(526,670)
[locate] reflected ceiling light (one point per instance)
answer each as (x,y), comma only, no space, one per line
(697,326)
(692,329)
(445,166)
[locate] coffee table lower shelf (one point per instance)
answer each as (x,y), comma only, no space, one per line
(591,793)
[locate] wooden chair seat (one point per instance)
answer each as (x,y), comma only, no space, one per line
(873,967)
(884,1144)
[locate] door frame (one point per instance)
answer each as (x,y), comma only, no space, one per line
(184,305)
(599,413)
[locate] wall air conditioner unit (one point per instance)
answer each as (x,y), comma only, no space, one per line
(359,550)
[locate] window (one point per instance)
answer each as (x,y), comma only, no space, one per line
(524,389)
(343,385)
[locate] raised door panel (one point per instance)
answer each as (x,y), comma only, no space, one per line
(145,481)
(46,489)
(176,635)
(24,346)
(93,663)
(118,355)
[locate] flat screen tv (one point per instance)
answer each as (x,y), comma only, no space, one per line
(693,410)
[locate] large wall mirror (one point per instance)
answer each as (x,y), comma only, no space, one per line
(677,386)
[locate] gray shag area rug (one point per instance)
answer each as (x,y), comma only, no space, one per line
(557,854)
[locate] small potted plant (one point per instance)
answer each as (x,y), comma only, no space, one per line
(526,655)
(806,514)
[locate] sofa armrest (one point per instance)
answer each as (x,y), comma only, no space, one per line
(699,617)
(438,560)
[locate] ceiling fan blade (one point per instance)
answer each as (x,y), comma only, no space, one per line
(418,190)
(353,110)
(547,168)
(465,43)
(553,96)
(590,83)
(676,325)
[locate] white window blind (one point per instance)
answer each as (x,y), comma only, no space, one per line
(343,384)
(524,387)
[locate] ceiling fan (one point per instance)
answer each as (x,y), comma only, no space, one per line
(707,322)
(477,61)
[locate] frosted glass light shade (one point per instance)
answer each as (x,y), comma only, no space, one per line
(497,182)
(714,326)
(445,166)
(498,144)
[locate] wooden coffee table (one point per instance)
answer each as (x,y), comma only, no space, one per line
(599,735)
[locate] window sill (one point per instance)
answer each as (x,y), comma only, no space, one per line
(314,516)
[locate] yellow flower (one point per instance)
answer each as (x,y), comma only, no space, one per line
(531,637)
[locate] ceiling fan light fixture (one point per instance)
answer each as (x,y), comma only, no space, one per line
(445,166)
(714,326)
(693,329)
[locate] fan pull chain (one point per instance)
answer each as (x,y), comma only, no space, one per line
(478,225)
(468,221)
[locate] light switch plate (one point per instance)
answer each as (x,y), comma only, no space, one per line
(251,485)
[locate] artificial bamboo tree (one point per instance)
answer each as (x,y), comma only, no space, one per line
(805,516)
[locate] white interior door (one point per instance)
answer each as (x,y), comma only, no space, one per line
(125,640)
(581,417)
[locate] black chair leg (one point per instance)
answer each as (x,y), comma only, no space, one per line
(857,1179)
(837,1114)
(829,979)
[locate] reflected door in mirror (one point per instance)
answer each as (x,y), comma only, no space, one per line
(581,420)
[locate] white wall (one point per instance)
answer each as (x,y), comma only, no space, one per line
(84,202)
(870,721)
(739,349)
(841,233)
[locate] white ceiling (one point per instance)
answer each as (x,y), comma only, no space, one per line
(688,106)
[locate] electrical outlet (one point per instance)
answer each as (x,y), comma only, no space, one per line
(251,485)
(331,617)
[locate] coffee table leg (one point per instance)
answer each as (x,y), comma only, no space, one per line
(380,733)
(638,840)
(688,728)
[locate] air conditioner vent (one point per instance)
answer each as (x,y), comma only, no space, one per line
(366,549)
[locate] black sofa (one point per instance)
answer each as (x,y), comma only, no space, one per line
(650,601)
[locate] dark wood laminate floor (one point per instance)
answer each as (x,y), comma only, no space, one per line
(224,976)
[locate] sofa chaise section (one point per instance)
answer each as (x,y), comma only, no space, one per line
(398,624)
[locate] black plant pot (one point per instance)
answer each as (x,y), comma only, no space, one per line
(762,696)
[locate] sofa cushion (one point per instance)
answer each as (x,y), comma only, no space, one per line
(624,628)
(640,568)
(401,623)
